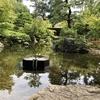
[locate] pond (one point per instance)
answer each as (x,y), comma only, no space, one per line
(18,84)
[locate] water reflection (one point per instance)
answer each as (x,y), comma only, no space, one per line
(95,78)
(64,69)
(6,82)
(75,69)
(14,82)
(34,80)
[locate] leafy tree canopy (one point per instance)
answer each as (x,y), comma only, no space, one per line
(22,19)
(5,8)
(39,28)
(18,7)
(16,35)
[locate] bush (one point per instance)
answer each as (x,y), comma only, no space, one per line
(69,33)
(16,35)
(39,28)
(81,41)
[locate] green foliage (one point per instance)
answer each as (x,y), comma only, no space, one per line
(6,25)
(7,15)
(59,11)
(69,33)
(16,35)
(22,19)
(5,8)
(80,28)
(14,16)
(62,24)
(18,7)
(39,29)
(94,33)
(9,11)
(81,22)
(81,41)
(40,8)
(58,41)
(88,25)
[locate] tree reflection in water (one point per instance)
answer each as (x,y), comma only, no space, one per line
(9,59)
(75,69)
(34,79)
(95,78)
(64,68)
(59,77)
(6,82)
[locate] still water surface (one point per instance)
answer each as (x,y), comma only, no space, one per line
(16,84)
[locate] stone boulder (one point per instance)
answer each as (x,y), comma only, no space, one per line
(1,46)
(26,44)
(69,92)
(94,52)
(67,46)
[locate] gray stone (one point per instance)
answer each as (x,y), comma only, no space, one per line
(68,45)
(94,52)
(1,46)
(69,92)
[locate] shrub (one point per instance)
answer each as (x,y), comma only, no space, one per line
(16,35)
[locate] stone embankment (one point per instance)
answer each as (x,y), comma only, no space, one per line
(69,92)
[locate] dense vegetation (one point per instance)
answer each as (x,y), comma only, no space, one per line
(18,25)
(79,19)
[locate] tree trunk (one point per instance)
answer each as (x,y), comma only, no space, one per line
(69,15)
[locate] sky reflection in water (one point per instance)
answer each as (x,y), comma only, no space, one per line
(21,90)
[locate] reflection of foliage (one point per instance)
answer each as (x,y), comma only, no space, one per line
(59,77)
(42,49)
(8,62)
(95,77)
(64,77)
(9,59)
(6,82)
(71,68)
(34,80)
(55,76)
(16,36)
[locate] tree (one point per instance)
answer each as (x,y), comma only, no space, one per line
(9,11)
(39,29)
(6,15)
(18,7)
(55,10)
(5,8)
(19,0)
(22,19)
(96,7)
(40,8)
(91,5)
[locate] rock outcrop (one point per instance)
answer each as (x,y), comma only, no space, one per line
(94,52)
(68,45)
(69,92)
(1,46)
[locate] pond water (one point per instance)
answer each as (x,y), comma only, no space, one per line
(18,84)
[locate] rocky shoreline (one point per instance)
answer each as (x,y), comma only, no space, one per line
(69,92)
(67,46)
